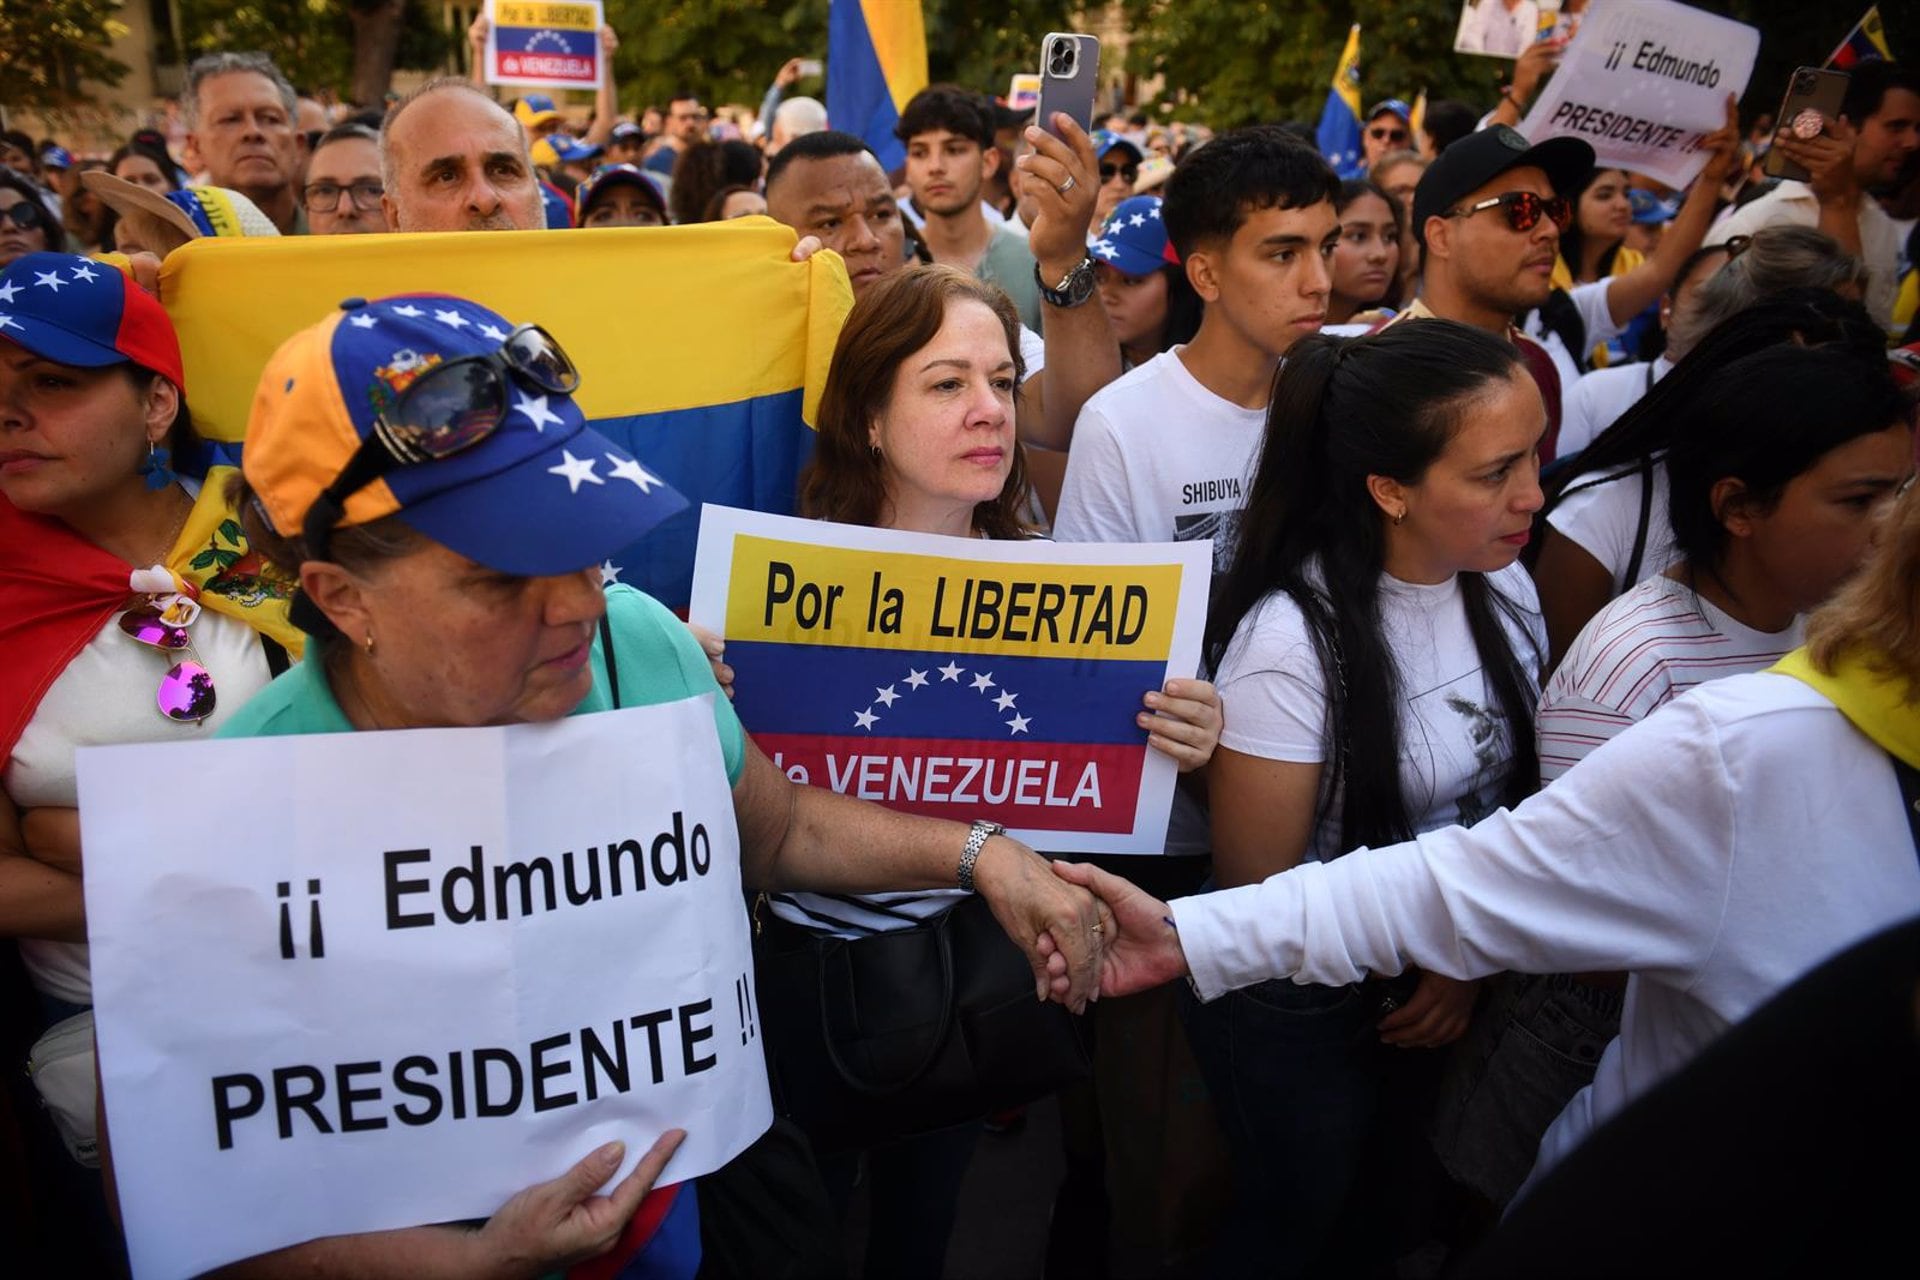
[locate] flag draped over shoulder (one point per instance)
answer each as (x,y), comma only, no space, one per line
(1339,132)
(702,350)
(876,62)
(1868,39)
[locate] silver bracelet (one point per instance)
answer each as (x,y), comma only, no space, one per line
(977,838)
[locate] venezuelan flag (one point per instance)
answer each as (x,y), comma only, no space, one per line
(702,349)
(876,62)
(1868,39)
(953,682)
(1339,132)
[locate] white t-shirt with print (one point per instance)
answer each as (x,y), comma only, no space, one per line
(1159,458)
(1456,747)
(1639,653)
(1604,519)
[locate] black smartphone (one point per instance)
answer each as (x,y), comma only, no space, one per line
(1814,95)
(1069,78)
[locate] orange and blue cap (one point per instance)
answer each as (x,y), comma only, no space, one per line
(535,110)
(541,494)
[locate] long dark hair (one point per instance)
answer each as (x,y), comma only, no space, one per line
(56,235)
(1764,419)
(1386,404)
(1807,316)
(1573,241)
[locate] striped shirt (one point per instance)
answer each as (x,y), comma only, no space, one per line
(1643,650)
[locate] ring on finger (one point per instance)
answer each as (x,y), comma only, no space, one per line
(1066,186)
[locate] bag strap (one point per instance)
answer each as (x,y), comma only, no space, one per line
(943,948)
(278,660)
(606,652)
(1646,518)
(1909,796)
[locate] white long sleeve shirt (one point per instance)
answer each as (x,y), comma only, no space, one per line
(1715,851)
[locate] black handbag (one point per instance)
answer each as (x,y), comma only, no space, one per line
(878,1038)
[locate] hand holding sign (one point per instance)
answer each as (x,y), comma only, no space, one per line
(556,1224)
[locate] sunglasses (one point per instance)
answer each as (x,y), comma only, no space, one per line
(185,695)
(24,215)
(450,408)
(1524,209)
(324,197)
(1128,172)
(1387,135)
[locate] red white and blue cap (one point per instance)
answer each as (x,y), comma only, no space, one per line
(543,494)
(1133,240)
(73,310)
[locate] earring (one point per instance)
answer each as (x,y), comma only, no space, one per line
(367,644)
(1400,515)
(156,466)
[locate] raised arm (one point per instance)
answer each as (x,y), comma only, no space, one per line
(1630,294)
(606,100)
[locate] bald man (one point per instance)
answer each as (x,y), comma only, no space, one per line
(452,159)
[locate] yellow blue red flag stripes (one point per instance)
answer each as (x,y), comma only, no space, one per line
(1868,39)
(702,349)
(1339,132)
(876,62)
(957,677)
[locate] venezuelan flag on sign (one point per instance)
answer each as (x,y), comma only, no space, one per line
(876,62)
(1868,39)
(957,678)
(702,350)
(1339,132)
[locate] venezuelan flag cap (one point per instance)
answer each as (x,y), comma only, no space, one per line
(537,493)
(535,110)
(1134,240)
(73,310)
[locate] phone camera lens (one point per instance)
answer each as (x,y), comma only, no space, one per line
(1061,56)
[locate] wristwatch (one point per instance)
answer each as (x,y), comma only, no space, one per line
(982,832)
(1073,290)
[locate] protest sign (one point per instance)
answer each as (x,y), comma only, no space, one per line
(1023,91)
(958,677)
(395,978)
(544,42)
(1644,84)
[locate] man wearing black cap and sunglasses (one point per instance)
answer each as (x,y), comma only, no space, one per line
(1488,215)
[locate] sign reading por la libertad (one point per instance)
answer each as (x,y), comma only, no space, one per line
(423,969)
(957,677)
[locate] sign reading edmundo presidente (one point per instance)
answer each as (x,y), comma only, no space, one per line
(399,977)
(1645,83)
(955,676)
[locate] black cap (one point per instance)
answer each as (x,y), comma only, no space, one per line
(1479,158)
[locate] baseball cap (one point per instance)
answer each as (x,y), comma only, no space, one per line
(555,208)
(1649,209)
(558,148)
(73,310)
(1133,240)
(534,110)
(1105,140)
(55,157)
(1479,158)
(1394,105)
(540,493)
(628,131)
(614,175)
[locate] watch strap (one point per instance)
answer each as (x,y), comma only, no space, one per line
(1074,289)
(977,837)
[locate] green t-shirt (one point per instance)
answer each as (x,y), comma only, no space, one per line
(657,658)
(1008,263)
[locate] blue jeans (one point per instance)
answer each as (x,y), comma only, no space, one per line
(1297,1076)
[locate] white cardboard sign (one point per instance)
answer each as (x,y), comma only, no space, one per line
(394,978)
(1644,84)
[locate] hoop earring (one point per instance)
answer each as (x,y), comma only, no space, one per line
(156,466)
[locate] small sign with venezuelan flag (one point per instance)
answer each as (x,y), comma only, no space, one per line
(542,42)
(958,677)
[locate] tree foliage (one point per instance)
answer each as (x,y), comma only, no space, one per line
(51,54)
(313,41)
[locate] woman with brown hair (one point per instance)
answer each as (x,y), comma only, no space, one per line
(916,432)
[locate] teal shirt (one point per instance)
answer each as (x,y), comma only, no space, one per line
(657,657)
(1008,263)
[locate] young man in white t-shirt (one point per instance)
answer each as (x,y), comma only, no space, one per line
(1166,452)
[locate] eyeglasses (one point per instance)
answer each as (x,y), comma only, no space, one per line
(1387,135)
(185,695)
(26,215)
(1523,209)
(1128,172)
(451,407)
(324,197)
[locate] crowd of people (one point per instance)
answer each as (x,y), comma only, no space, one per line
(1557,710)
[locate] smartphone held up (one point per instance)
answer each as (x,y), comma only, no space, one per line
(1069,79)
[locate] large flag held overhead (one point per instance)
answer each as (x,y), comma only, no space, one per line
(1339,132)
(1868,39)
(702,349)
(876,62)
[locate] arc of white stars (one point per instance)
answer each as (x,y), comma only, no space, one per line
(864,720)
(916,679)
(578,471)
(887,696)
(452,319)
(49,280)
(983,681)
(949,672)
(1019,724)
(630,469)
(535,407)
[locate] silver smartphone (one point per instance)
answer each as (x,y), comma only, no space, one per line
(1069,78)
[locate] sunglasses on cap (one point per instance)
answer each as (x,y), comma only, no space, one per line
(448,409)
(185,695)
(26,215)
(1524,209)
